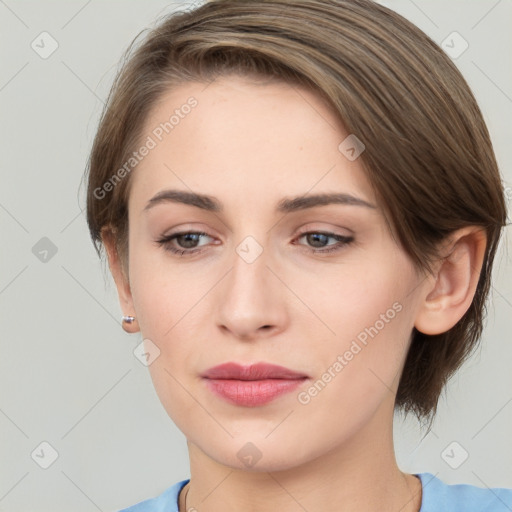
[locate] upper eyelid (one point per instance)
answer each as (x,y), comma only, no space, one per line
(306,229)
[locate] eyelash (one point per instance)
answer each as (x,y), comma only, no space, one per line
(165,242)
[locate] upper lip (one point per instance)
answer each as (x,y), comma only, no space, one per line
(256,371)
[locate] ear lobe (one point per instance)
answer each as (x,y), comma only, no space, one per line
(455,283)
(120,278)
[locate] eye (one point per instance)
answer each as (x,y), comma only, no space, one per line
(187,242)
(186,239)
(319,239)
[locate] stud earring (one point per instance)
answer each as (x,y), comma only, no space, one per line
(129,324)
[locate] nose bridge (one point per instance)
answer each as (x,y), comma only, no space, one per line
(249,276)
(248,297)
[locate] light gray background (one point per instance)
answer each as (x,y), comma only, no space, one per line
(68,374)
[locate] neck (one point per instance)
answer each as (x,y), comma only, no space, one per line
(359,474)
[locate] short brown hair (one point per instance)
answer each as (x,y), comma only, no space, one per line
(428,152)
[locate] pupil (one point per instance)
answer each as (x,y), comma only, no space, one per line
(315,238)
(189,237)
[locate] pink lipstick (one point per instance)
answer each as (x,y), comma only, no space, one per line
(253,385)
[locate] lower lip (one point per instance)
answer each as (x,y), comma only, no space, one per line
(252,393)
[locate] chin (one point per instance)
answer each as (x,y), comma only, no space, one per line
(256,454)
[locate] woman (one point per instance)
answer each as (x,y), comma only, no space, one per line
(300,206)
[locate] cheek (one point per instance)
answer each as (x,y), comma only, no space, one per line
(164,303)
(160,293)
(357,370)
(169,300)
(368,309)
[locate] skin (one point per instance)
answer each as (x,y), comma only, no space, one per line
(251,145)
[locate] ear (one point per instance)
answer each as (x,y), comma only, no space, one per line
(455,282)
(120,276)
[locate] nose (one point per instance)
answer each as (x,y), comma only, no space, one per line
(251,299)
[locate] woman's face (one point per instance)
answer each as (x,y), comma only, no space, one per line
(259,284)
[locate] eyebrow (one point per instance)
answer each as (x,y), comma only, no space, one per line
(286,205)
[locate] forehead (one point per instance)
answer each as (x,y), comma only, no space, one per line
(233,137)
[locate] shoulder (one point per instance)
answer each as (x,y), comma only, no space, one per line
(167,501)
(438,496)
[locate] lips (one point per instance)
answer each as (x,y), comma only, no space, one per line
(251,386)
(259,371)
